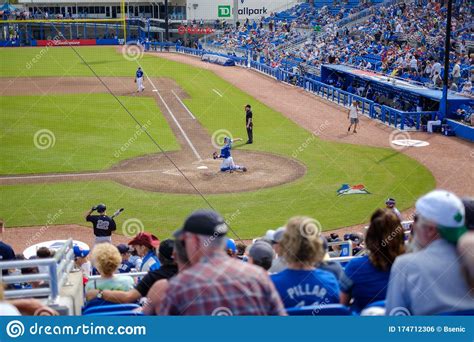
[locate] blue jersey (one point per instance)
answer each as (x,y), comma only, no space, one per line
(364,282)
(125,267)
(304,287)
(139,73)
(225,151)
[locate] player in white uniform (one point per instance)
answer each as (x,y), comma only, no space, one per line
(139,80)
(228,164)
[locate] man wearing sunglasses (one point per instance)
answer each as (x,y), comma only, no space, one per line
(214,283)
(429,281)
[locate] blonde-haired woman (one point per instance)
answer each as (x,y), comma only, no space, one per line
(302,283)
(106,258)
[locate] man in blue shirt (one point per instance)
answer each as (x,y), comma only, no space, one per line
(6,253)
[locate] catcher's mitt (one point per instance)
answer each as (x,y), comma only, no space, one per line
(215,155)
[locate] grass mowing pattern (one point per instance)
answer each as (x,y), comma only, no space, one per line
(384,172)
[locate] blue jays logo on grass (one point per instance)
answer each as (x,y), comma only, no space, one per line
(347,189)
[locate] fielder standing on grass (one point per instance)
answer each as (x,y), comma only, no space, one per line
(249,123)
(139,80)
(353,116)
(103,224)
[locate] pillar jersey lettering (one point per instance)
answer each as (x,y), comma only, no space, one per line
(103,225)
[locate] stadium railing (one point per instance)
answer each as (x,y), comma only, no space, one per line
(58,269)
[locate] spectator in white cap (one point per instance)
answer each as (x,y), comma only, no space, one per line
(279,263)
(430,281)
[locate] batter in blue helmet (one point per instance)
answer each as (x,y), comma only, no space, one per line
(228,164)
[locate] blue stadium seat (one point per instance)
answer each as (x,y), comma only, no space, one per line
(320,310)
(110,308)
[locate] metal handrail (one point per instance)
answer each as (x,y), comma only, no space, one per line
(132,274)
(345,259)
(59,267)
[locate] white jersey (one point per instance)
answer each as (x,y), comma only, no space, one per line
(353,112)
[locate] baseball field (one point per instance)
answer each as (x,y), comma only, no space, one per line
(74,133)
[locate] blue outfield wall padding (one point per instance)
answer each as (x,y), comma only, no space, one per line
(107,41)
(9,43)
(461,130)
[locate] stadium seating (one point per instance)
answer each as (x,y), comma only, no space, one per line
(113,310)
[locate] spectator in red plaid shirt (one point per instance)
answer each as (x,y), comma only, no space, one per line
(216,284)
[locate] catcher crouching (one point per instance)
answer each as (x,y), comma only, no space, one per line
(228,164)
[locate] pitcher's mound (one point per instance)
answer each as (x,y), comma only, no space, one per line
(264,170)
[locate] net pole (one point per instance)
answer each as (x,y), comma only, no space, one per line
(124,22)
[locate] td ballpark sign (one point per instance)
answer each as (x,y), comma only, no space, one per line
(243,9)
(226,11)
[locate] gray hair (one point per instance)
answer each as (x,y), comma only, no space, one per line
(212,242)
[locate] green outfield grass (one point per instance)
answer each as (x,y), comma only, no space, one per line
(329,165)
(88,132)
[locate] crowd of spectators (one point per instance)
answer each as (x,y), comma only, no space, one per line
(199,271)
(404,40)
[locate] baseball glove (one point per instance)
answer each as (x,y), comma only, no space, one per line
(215,155)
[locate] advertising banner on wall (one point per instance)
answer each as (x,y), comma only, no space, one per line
(224,9)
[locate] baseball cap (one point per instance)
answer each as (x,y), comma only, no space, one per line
(123,248)
(231,245)
(261,250)
(390,201)
(269,235)
(145,239)
(469,211)
(444,209)
(79,252)
(278,234)
(166,249)
(204,222)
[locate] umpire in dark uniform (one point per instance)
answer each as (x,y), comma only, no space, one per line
(103,224)
(249,123)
